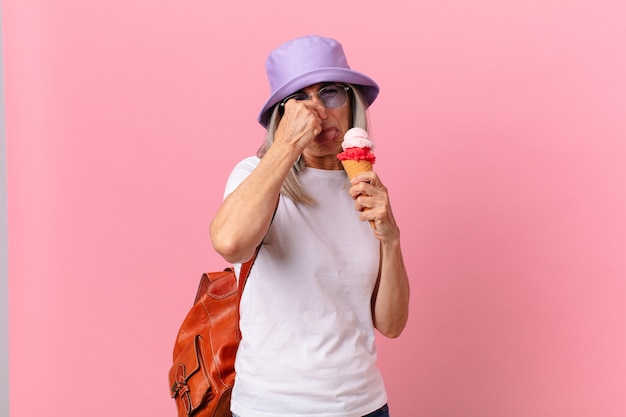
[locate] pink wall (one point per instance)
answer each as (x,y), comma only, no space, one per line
(500,132)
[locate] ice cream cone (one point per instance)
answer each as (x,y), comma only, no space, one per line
(356,167)
(353,168)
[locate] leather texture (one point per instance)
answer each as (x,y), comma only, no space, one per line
(203,373)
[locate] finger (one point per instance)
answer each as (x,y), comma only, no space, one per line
(313,113)
(367,214)
(365,202)
(316,105)
(365,176)
(300,119)
(363,189)
(299,109)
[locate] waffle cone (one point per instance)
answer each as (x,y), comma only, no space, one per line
(356,167)
(353,168)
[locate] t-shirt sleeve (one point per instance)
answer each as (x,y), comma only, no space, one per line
(240,173)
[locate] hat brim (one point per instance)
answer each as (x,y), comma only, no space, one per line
(367,86)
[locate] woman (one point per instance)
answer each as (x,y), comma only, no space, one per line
(323,279)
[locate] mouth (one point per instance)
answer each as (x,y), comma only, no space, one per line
(327,135)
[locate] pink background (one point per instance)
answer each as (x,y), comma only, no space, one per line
(501,135)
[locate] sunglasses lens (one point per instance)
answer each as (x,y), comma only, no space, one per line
(333,96)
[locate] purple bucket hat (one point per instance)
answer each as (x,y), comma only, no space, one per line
(308,60)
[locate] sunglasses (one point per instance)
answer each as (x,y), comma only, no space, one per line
(331,96)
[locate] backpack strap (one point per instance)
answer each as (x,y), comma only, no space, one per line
(247,266)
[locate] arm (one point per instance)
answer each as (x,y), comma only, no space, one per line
(242,220)
(390,300)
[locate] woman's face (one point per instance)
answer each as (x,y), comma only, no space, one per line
(322,151)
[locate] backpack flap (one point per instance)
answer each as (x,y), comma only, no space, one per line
(189,385)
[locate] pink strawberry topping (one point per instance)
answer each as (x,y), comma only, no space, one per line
(357,154)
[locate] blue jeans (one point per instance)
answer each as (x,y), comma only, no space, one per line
(381,412)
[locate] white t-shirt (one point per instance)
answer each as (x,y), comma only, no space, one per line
(308,345)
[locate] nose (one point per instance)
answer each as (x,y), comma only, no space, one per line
(316,98)
(319,105)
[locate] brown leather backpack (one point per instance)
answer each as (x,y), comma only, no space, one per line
(202,376)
